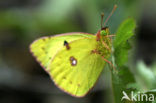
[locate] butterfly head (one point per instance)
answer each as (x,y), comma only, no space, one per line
(101,34)
(103,42)
(104,31)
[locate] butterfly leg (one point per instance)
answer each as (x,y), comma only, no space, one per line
(108,62)
(112,35)
(98,36)
(95,51)
(106,46)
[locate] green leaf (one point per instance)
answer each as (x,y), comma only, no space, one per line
(124,79)
(124,32)
(121,53)
(145,77)
(121,45)
(121,82)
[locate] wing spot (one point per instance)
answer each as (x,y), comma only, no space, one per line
(73,61)
(44,39)
(66,44)
(49,58)
(70,82)
(64,77)
(46,52)
(43,48)
(78,85)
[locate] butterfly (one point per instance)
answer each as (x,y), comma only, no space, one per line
(74,61)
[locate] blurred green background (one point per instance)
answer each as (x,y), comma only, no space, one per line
(22,80)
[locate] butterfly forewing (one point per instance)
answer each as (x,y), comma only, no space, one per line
(45,48)
(76,70)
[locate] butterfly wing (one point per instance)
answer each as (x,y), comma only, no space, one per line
(76,70)
(44,49)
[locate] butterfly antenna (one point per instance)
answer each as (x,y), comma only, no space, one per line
(114,8)
(102,17)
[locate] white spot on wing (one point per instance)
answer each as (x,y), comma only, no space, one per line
(74,62)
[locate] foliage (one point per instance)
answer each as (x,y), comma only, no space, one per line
(124,77)
(141,80)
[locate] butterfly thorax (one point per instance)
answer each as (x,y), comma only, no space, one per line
(104,43)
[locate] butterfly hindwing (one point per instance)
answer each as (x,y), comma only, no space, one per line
(45,48)
(76,70)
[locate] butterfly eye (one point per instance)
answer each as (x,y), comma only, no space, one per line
(103,32)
